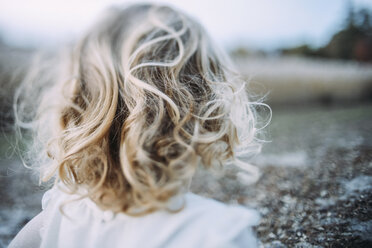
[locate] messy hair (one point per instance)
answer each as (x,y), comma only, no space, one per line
(142,100)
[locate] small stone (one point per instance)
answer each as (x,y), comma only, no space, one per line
(320,228)
(264,211)
(276,244)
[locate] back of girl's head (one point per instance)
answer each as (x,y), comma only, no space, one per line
(145,100)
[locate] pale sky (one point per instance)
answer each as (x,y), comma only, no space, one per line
(258,24)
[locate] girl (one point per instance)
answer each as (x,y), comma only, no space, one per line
(145,99)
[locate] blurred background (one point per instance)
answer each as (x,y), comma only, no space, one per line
(312,60)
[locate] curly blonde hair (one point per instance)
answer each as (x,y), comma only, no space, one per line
(146,98)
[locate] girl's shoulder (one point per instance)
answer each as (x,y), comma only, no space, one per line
(222,224)
(202,222)
(220,214)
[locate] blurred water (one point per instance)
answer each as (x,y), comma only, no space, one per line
(301,136)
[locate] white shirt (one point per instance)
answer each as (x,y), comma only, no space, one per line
(202,223)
